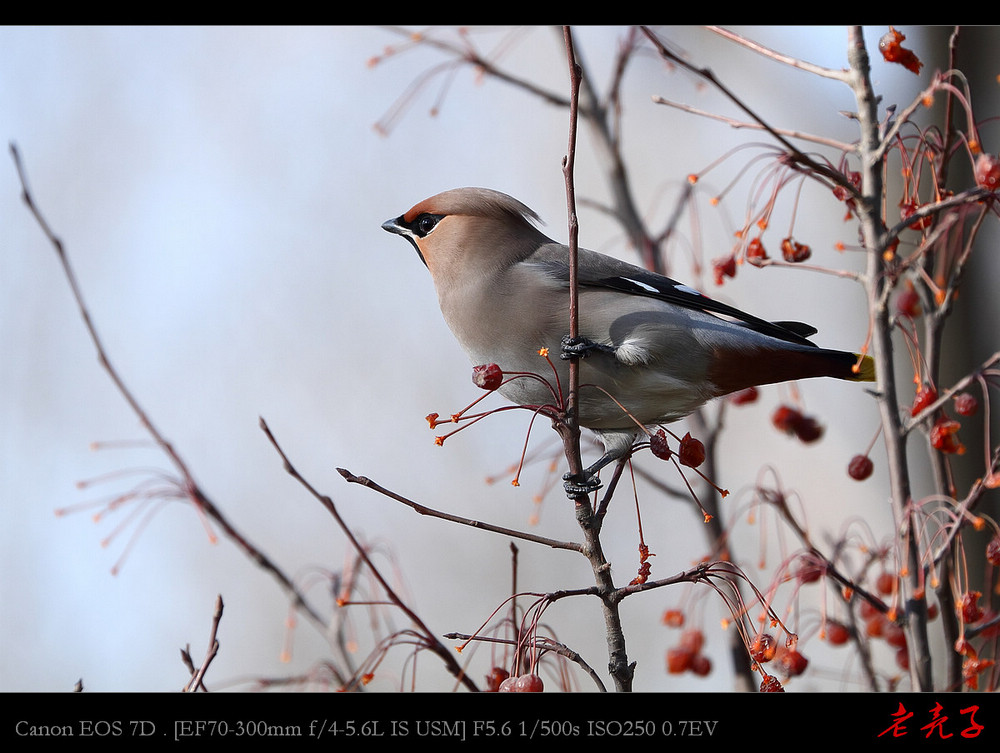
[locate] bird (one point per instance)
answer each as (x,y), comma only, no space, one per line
(651,350)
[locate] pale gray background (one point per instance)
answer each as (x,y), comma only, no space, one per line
(220,191)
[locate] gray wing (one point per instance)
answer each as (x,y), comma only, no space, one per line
(599,271)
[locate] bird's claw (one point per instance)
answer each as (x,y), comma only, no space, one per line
(580,347)
(581,484)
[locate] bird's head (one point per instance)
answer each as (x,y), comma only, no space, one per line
(468,230)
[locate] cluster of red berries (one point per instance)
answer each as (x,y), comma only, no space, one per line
(970,611)
(755,253)
(972,665)
(500,681)
(907,209)
(794,422)
(878,625)
(691,451)
(686,656)
(765,649)
(793,251)
(844,194)
(943,435)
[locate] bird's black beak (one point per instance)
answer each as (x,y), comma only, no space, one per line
(395,226)
(398,227)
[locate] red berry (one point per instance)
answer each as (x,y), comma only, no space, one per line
(971,668)
(748,395)
(793,251)
(837,634)
(808,429)
(810,570)
(893,51)
(993,551)
(678,660)
(925,396)
(962,646)
(658,445)
(495,679)
(528,684)
(875,626)
(673,618)
(692,451)
(841,192)
(867,610)
(701,665)
(756,254)
(785,418)
(770,684)
(886,583)
(860,467)
(488,376)
(907,209)
(966,404)
(792,421)
(895,636)
(793,663)
(908,303)
(724,268)
(969,606)
(943,436)
(988,171)
(763,648)
(692,640)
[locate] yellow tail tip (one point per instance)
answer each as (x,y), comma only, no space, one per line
(864,369)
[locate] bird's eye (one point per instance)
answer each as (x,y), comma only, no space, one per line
(425,223)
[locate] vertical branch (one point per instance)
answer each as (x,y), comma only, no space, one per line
(569,162)
(876,241)
(569,428)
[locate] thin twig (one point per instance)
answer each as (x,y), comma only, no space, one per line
(472,523)
(542,644)
(835,176)
(197,680)
(743,124)
(832,73)
(430,641)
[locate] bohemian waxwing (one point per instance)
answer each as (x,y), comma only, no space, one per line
(648,345)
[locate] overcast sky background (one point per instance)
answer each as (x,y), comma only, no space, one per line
(219,192)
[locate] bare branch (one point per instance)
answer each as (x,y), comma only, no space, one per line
(424,510)
(431,641)
(837,75)
(197,681)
